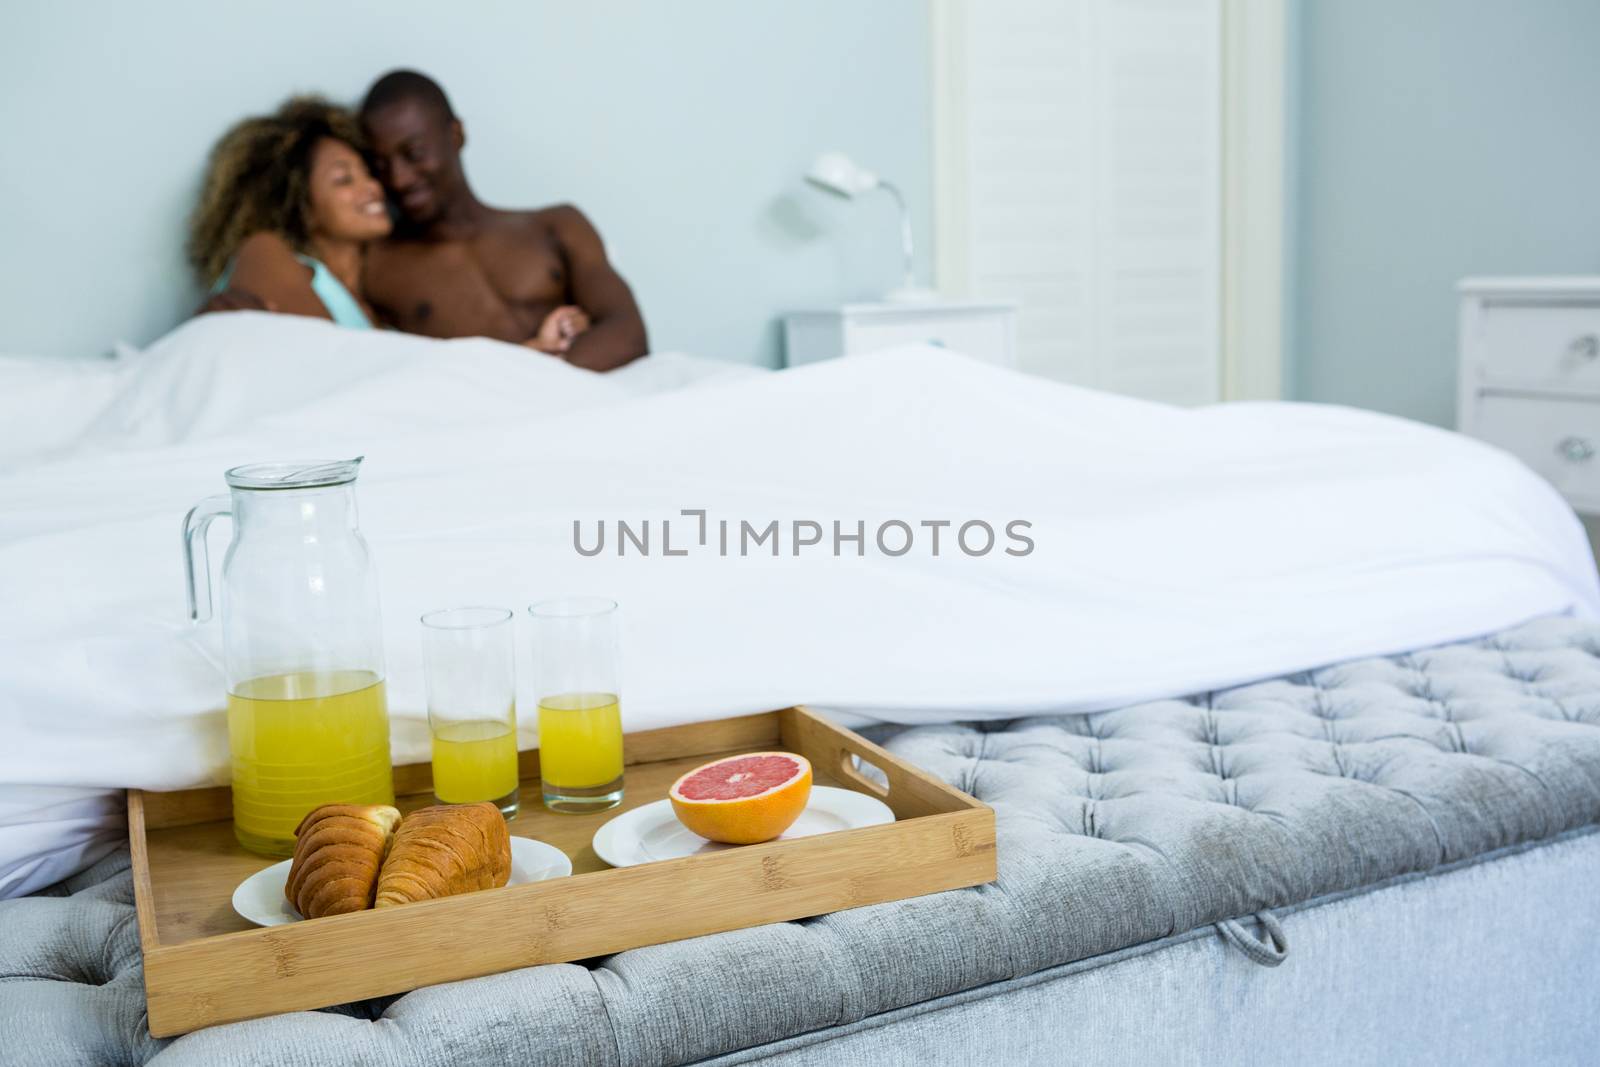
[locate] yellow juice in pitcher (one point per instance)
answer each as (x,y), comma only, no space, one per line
(580,742)
(474,760)
(301,740)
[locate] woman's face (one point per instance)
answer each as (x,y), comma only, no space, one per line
(346,202)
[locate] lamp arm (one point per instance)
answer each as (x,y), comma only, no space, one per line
(905,231)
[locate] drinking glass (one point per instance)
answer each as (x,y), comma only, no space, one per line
(580,718)
(469,657)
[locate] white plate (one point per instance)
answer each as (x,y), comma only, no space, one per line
(653,832)
(260,898)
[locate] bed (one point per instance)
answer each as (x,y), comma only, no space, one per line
(1280,868)
(1390,859)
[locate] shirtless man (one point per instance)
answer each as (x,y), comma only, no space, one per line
(457,268)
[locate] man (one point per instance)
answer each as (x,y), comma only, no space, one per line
(456,268)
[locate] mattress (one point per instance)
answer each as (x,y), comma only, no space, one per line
(1217,813)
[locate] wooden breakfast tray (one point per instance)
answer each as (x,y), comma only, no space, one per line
(203,964)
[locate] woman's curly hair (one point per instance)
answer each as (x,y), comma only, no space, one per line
(258,178)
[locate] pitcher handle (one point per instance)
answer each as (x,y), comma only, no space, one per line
(197,562)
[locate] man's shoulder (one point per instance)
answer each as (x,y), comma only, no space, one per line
(550,217)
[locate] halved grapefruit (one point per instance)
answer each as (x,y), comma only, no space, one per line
(741,800)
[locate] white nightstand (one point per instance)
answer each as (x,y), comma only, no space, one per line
(1530,376)
(983,329)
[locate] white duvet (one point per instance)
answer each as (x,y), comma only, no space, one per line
(1172,550)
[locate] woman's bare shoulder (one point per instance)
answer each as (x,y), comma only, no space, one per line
(265,249)
(267,266)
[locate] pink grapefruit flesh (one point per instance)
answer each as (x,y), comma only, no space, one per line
(741,800)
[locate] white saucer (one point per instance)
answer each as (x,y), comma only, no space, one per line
(260,898)
(653,832)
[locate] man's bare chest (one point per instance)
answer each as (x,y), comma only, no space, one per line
(469,288)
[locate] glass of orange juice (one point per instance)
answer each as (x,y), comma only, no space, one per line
(575,655)
(469,657)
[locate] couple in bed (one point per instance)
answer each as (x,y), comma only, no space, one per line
(292,219)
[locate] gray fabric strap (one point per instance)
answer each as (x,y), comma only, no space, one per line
(1269,949)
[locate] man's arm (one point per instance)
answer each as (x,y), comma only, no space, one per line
(616,332)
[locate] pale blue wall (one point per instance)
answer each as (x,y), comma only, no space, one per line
(1430,139)
(681,128)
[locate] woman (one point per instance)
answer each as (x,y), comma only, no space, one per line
(287,210)
(285,216)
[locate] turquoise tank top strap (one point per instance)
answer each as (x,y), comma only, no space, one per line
(342,307)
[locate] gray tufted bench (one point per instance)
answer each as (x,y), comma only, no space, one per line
(1392,831)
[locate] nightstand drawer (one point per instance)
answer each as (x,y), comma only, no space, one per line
(1559,439)
(985,337)
(1548,345)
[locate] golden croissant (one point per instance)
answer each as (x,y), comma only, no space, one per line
(338,851)
(443,850)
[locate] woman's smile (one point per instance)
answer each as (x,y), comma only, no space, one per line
(347,202)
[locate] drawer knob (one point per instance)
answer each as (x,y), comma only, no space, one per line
(1575,449)
(1585,347)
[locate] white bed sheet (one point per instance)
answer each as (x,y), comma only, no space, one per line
(1176,550)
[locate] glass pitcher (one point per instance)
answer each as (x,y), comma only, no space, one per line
(302,646)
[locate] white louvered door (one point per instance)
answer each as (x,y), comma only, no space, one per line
(1079,155)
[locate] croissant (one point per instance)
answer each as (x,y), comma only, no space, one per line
(338,851)
(444,850)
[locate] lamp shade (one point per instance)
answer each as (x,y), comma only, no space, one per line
(836,173)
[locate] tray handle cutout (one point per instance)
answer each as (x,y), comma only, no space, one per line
(864,774)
